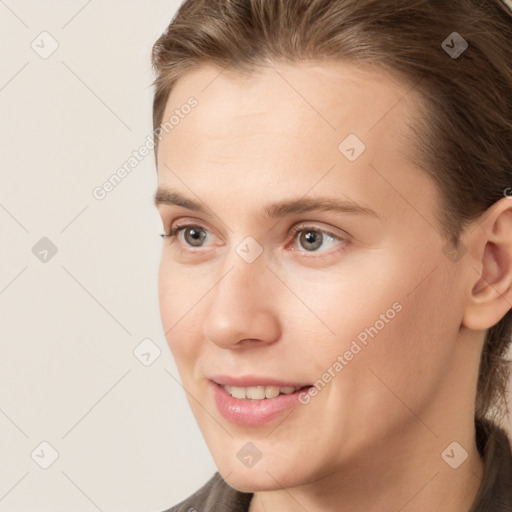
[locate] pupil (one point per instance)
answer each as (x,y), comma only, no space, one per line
(312,237)
(196,235)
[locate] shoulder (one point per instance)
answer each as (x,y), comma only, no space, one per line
(214,495)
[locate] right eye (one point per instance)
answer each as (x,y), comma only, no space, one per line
(193,235)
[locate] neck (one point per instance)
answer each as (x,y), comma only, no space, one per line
(406,474)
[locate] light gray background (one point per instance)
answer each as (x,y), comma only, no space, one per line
(125,438)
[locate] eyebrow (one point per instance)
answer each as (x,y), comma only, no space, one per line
(170,197)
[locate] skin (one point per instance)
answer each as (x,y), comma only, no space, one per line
(372,439)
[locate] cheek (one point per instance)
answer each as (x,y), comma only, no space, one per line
(393,324)
(359,301)
(179,297)
(402,363)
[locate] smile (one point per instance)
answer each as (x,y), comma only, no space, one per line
(254,405)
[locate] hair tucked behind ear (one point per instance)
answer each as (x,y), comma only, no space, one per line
(464,138)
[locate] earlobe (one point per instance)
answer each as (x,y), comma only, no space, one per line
(491,295)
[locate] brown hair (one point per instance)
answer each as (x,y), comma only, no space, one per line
(463,139)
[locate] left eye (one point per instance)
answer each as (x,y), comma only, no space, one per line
(310,239)
(313,239)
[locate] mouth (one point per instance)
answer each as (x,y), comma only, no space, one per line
(260,392)
(257,404)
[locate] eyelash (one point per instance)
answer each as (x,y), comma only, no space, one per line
(173,232)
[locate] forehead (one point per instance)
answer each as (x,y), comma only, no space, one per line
(291,105)
(285,126)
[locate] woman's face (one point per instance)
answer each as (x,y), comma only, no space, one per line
(311,259)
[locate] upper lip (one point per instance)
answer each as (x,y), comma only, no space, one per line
(254,380)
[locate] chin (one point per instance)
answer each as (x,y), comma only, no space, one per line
(259,478)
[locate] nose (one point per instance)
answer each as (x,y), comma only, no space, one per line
(242,308)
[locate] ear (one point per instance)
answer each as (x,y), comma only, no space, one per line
(490,268)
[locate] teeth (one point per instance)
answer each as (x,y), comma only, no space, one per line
(271,391)
(258,392)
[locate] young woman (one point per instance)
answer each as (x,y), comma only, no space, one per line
(334,180)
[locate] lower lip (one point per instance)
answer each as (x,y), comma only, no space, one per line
(252,412)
